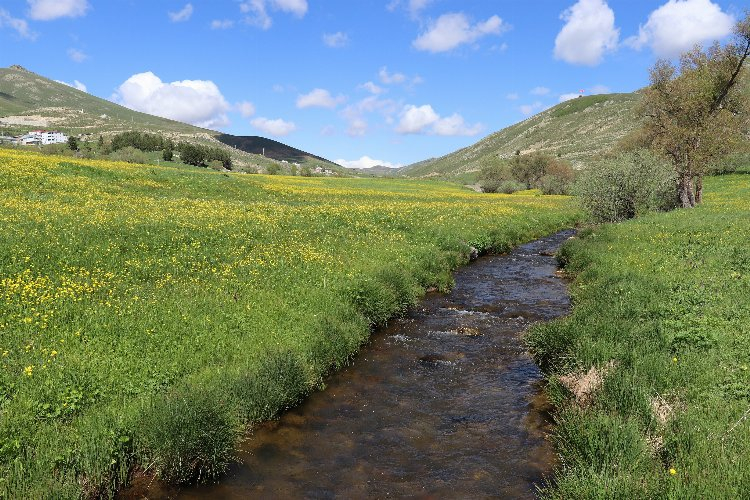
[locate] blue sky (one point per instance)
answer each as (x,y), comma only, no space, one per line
(360,81)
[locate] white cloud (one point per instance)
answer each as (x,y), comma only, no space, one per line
(539,91)
(512,97)
(335,40)
(678,25)
(454,125)
(355,113)
(198,102)
(588,33)
(276,127)
(413,6)
(257,10)
(246,109)
(452,30)
(19,25)
(328,131)
(565,97)
(76,85)
(47,10)
(181,15)
(367,162)
(530,109)
(389,78)
(424,120)
(415,119)
(319,98)
(357,127)
(221,24)
(372,88)
(77,55)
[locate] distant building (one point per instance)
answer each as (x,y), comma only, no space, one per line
(42,137)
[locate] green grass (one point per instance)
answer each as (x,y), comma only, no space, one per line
(666,297)
(140,302)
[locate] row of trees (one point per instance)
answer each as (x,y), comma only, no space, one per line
(203,156)
(142,141)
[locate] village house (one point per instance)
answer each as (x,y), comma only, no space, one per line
(42,137)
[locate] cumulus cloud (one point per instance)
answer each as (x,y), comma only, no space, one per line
(588,33)
(198,102)
(367,162)
(257,10)
(335,40)
(221,24)
(424,120)
(19,25)
(76,85)
(372,88)
(276,127)
(319,98)
(76,55)
(246,109)
(453,30)
(678,25)
(530,109)
(181,15)
(355,114)
(415,119)
(413,6)
(47,10)
(390,78)
(566,97)
(539,91)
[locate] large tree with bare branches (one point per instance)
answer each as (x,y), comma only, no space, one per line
(697,113)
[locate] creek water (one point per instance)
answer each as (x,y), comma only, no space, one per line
(443,403)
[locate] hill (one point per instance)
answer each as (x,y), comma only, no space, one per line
(576,130)
(28,100)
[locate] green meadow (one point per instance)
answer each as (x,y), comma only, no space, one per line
(149,315)
(650,373)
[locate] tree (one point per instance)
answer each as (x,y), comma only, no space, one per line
(73,143)
(696,114)
(167,155)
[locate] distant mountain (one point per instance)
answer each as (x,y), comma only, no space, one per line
(268,148)
(576,130)
(29,101)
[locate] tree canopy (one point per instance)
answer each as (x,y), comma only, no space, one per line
(696,113)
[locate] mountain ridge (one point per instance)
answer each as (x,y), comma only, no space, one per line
(29,100)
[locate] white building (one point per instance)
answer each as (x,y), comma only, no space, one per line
(44,137)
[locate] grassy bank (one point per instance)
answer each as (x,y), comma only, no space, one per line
(651,372)
(149,314)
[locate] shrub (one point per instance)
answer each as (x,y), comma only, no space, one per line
(129,154)
(273,169)
(511,186)
(492,176)
(188,435)
(627,185)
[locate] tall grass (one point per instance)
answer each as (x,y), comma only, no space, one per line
(149,314)
(664,301)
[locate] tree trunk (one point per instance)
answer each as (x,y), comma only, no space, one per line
(685,188)
(699,189)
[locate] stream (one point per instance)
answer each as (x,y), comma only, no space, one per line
(442,403)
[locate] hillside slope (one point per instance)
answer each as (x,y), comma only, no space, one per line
(577,130)
(28,101)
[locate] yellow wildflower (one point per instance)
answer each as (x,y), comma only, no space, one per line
(28,370)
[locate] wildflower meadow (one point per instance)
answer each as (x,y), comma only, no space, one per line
(149,315)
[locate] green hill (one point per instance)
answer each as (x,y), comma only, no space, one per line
(577,130)
(29,101)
